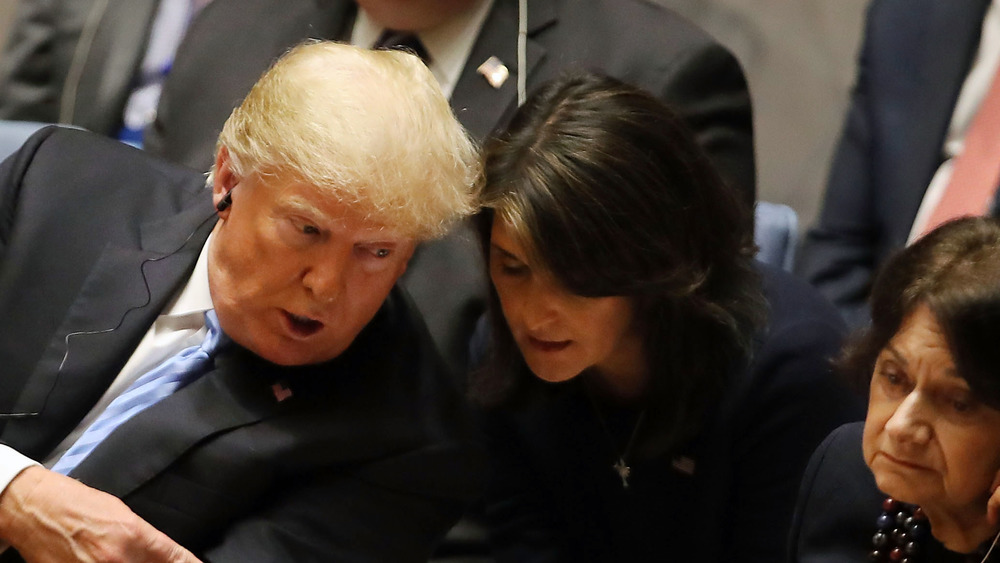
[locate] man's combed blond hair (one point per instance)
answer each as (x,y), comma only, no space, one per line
(370,127)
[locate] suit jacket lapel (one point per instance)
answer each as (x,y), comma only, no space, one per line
(103,326)
(479,106)
(235,394)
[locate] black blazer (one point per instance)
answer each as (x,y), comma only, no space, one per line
(233,41)
(727,496)
(838,505)
(915,57)
(370,459)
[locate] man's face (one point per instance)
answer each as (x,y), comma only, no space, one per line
(295,274)
(413,15)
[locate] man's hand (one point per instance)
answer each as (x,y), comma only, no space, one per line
(50,518)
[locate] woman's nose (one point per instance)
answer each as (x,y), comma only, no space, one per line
(540,307)
(908,423)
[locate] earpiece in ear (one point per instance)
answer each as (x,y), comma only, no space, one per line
(225,202)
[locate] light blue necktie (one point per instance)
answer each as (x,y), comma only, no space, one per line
(159,382)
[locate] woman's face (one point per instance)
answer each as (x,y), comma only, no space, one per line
(927,440)
(561,334)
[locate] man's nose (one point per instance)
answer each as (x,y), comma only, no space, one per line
(326,279)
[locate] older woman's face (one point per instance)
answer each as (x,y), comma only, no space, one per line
(561,334)
(927,440)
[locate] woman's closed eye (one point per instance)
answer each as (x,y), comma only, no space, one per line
(507,263)
(513,267)
(892,378)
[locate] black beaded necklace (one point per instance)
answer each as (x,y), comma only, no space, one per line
(902,530)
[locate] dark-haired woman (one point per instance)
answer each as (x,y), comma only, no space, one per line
(651,393)
(917,477)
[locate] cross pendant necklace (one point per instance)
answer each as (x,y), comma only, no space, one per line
(620,466)
(624,471)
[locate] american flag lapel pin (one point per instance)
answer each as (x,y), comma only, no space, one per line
(494,71)
(281,392)
(684,464)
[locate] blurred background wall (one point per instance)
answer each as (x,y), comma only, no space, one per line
(799,56)
(6,16)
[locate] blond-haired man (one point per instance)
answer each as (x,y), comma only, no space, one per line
(326,430)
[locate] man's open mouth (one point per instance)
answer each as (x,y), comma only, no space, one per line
(303,326)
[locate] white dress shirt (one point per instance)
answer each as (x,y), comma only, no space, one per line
(448,44)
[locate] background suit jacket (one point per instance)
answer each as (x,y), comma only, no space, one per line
(726,496)
(50,36)
(370,459)
(839,504)
(914,60)
(233,41)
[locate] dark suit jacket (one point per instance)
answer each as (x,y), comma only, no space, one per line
(915,57)
(233,41)
(839,504)
(50,36)
(370,459)
(555,498)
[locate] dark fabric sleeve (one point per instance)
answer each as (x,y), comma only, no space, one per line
(838,503)
(375,514)
(839,253)
(522,526)
(793,401)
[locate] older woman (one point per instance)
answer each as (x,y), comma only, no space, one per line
(928,456)
(640,408)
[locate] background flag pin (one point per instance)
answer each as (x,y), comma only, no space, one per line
(494,71)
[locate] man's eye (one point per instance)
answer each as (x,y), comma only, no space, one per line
(374,251)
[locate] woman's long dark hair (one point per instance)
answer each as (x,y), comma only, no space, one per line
(609,192)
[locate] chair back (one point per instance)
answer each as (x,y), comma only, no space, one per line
(13,134)
(776,232)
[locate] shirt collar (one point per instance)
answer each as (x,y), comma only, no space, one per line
(448,44)
(191,302)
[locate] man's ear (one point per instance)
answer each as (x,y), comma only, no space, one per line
(223,181)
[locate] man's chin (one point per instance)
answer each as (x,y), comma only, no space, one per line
(297,354)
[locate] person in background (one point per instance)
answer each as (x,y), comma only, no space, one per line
(649,392)
(471,47)
(917,477)
(230,372)
(921,142)
(97,64)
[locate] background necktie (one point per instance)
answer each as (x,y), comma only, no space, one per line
(159,382)
(403,41)
(977,169)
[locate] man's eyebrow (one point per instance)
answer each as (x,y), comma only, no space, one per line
(303,205)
